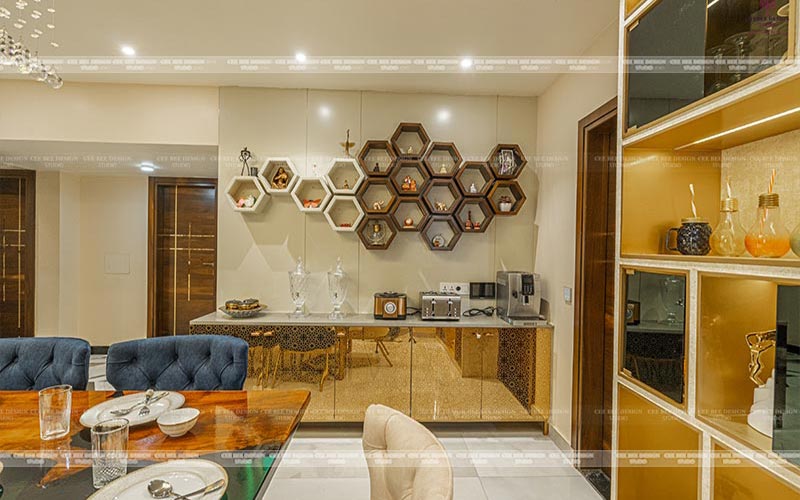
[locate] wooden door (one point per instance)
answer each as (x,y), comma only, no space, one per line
(17,262)
(182,253)
(594,280)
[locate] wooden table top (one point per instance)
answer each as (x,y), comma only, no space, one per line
(242,431)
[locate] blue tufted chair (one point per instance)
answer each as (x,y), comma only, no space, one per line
(31,364)
(180,363)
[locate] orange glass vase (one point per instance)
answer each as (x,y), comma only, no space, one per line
(768,237)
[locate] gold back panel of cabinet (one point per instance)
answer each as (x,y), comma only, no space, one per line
(645,427)
(655,194)
(742,479)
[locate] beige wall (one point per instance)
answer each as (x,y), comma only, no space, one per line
(568,100)
(48,186)
(256,251)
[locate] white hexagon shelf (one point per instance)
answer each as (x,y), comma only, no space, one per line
(344,176)
(344,213)
(311,194)
(276,181)
(239,191)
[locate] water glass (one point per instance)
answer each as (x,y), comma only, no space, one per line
(109,451)
(55,408)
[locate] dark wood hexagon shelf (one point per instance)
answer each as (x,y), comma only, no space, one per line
(411,210)
(442,196)
(506,198)
(377,196)
(507,161)
(441,233)
(377,158)
(409,174)
(477,175)
(410,141)
(474,215)
(376,232)
(443,159)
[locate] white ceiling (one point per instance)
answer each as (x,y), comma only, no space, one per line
(324,28)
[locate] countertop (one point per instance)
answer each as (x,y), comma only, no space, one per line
(282,318)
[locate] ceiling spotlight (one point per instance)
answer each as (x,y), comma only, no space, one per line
(128,50)
(466,63)
(147,166)
(147,169)
(300,57)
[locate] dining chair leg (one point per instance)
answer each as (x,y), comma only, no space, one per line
(324,372)
(384,351)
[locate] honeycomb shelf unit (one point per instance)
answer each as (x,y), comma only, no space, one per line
(442,197)
(410,141)
(443,159)
(510,190)
(415,172)
(344,213)
(377,158)
(377,232)
(477,212)
(241,188)
(413,209)
(270,169)
(377,196)
(344,176)
(441,233)
(311,194)
(507,161)
(475,174)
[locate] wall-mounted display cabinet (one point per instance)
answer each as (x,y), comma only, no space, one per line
(507,161)
(410,141)
(441,233)
(278,175)
(377,158)
(344,176)
(246,194)
(344,213)
(506,198)
(377,196)
(474,215)
(377,232)
(442,197)
(311,194)
(410,178)
(475,179)
(410,214)
(443,159)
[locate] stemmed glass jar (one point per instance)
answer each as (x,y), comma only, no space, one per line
(337,289)
(298,286)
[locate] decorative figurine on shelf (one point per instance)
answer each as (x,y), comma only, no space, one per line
(376,168)
(476,226)
(378,205)
(506,203)
(409,184)
(440,206)
(694,235)
(443,169)
(376,237)
(244,156)
(312,203)
(247,202)
(347,144)
(410,150)
(345,224)
(507,162)
(408,222)
(473,189)
(468,224)
(438,241)
(346,185)
(768,237)
(280,180)
(763,409)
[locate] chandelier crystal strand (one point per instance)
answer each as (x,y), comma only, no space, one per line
(14,52)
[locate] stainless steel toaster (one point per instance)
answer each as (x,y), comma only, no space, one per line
(439,306)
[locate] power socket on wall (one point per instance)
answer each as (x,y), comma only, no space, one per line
(456,288)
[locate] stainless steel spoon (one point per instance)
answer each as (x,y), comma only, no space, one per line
(158,488)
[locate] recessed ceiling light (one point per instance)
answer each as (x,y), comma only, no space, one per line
(147,169)
(300,57)
(466,63)
(147,166)
(128,50)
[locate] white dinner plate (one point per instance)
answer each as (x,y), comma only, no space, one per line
(103,410)
(185,476)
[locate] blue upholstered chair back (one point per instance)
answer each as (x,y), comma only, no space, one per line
(28,364)
(180,363)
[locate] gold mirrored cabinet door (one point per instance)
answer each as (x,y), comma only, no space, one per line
(17,192)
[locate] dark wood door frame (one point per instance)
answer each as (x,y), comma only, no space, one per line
(30,241)
(152,240)
(584,384)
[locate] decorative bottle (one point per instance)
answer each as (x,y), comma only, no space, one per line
(795,241)
(768,237)
(728,237)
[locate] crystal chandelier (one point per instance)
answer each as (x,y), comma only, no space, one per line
(30,19)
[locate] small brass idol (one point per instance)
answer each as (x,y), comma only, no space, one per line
(759,343)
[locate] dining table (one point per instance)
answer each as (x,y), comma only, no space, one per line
(245,432)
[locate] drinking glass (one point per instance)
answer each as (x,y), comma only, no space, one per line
(109,451)
(55,408)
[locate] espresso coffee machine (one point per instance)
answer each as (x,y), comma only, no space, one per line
(519,297)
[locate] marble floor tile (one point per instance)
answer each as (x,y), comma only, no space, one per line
(459,456)
(468,488)
(323,458)
(518,457)
(539,488)
(316,489)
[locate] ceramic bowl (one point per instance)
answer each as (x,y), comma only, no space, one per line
(176,423)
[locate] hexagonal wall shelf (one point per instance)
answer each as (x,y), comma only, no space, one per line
(506,198)
(443,159)
(344,213)
(344,176)
(507,161)
(475,178)
(410,178)
(276,181)
(239,191)
(377,232)
(311,194)
(410,141)
(377,196)
(377,158)
(410,214)
(441,233)
(474,215)
(442,196)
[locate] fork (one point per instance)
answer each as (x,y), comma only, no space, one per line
(124,411)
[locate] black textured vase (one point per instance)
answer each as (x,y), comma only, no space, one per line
(694,237)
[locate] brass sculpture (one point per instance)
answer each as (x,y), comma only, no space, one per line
(759,343)
(347,144)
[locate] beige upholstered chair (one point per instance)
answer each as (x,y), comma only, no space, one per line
(425,474)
